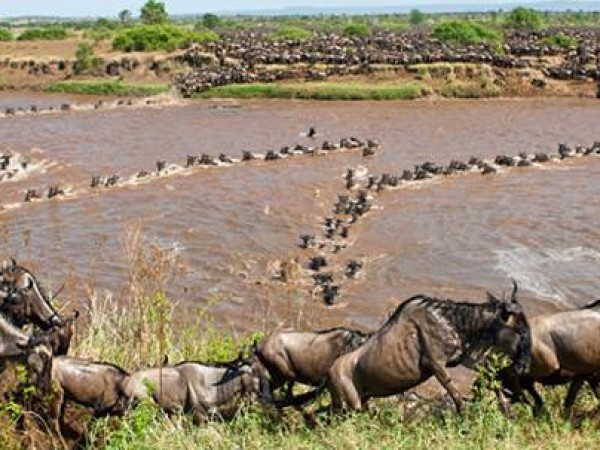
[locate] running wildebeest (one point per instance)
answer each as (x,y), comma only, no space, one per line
(423,337)
(95,385)
(304,357)
(196,388)
(25,300)
(564,348)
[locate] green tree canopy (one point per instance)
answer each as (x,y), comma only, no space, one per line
(416,17)
(125,17)
(524,19)
(154,13)
(210,21)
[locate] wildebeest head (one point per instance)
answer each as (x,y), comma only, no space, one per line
(510,331)
(26,300)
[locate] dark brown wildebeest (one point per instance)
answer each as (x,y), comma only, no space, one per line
(196,388)
(304,357)
(564,348)
(423,337)
(24,299)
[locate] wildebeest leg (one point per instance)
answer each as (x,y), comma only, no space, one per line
(574,388)
(343,391)
(432,363)
(537,399)
(57,411)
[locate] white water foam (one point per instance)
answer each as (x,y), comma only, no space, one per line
(543,271)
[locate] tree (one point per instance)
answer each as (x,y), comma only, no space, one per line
(524,19)
(154,13)
(86,59)
(416,17)
(125,17)
(210,21)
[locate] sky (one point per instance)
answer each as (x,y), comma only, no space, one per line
(71,8)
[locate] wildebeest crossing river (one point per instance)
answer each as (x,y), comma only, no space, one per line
(452,237)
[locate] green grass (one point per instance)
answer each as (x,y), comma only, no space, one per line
(318,91)
(117,88)
(136,330)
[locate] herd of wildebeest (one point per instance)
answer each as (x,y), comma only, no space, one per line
(250,56)
(419,340)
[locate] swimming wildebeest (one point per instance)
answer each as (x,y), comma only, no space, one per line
(565,346)
(423,337)
(25,301)
(304,357)
(196,388)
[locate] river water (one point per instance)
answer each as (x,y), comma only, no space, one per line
(455,237)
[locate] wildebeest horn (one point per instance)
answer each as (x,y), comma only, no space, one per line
(7,263)
(492,298)
(513,297)
(58,291)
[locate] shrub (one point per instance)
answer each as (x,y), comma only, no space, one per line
(158,37)
(559,40)
(97,34)
(52,32)
(5,35)
(357,30)
(291,33)
(86,59)
(466,33)
(523,19)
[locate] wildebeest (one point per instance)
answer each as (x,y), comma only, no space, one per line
(96,385)
(196,388)
(419,340)
(564,347)
(25,301)
(304,357)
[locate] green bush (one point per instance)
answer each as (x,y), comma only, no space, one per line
(459,32)
(50,33)
(523,19)
(146,38)
(357,30)
(97,34)
(5,35)
(559,40)
(86,59)
(292,33)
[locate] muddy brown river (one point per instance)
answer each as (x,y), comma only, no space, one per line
(454,237)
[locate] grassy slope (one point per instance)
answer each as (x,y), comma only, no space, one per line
(107,88)
(318,91)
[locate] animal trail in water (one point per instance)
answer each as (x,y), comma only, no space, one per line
(193,163)
(361,189)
